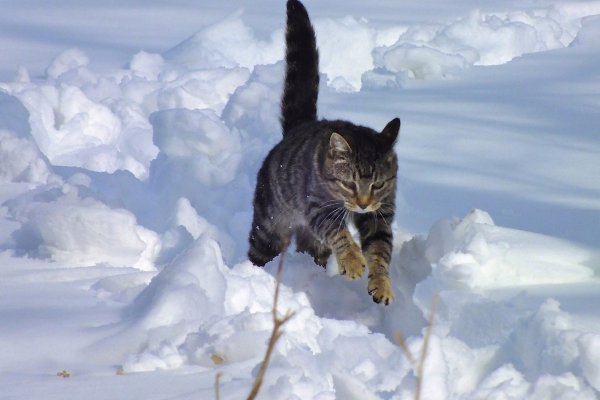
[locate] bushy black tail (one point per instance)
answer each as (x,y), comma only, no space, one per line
(299,101)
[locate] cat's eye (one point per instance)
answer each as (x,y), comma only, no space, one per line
(377,185)
(349,186)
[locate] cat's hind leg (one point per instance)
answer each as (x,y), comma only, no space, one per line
(308,243)
(265,243)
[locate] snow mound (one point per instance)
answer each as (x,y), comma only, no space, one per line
(477,254)
(198,142)
(60,225)
(429,52)
(199,312)
(228,43)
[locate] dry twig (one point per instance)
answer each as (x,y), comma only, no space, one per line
(419,365)
(276,332)
(218,386)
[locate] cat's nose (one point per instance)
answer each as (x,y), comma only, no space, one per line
(362,203)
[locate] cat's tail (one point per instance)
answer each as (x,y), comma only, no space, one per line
(299,101)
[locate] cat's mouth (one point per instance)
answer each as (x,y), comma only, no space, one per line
(362,210)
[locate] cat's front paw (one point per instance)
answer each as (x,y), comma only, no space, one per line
(351,263)
(380,288)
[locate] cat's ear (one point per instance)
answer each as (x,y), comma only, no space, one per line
(338,144)
(391,130)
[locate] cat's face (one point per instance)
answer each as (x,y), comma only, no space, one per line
(363,178)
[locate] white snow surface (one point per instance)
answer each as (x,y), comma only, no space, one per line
(126,188)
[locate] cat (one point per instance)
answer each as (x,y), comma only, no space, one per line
(323,175)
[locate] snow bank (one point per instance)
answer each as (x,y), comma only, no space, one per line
(477,254)
(428,52)
(200,142)
(228,43)
(57,223)
(199,312)
(531,351)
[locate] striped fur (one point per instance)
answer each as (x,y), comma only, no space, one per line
(299,101)
(324,175)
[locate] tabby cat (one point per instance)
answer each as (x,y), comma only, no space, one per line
(324,175)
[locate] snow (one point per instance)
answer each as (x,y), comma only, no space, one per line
(129,147)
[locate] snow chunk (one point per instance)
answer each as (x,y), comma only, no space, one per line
(20,158)
(192,287)
(66,61)
(231,307)
(147,65)
(210,88)
(419,62)
(196,144)
(345,47)
(228,43)
(441,51)
(475,253)
(548,345)
(254,106)
(84,232)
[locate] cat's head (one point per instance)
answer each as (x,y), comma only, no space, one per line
(361,167)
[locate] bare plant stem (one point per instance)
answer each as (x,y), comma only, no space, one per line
(275,333)
(218,386)
(424,348)
(419,365)
(402,343)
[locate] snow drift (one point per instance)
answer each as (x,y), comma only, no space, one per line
(140,181)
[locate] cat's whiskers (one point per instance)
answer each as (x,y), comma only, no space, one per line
(375,217)
(342,220)
(340,212)
(332,213)
(329,203)
(382,217)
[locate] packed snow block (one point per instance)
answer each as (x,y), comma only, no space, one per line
(197,307)
(20,157)
(209,88)
(473,257)
(83,232)
(442,51)
(419,62)
(194,145)
(67,61)
(147,65)
(21,160)
(548,345)
(345,47)
(71,129)
(229,43)
(191,288)
(507,383)
(199,160)
(541,344)
(82,120)
(475,253)
(254,106)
